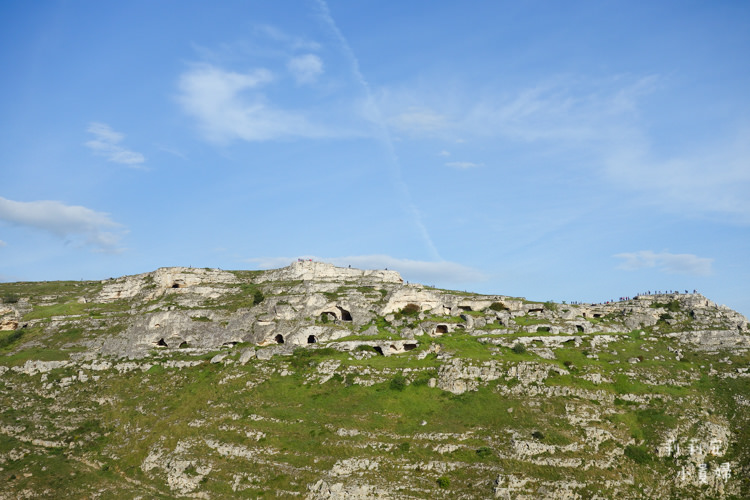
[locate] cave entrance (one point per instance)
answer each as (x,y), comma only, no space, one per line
(379,350)
(441,329)
(345,315)
(279,339)
(161,343)
(409,347)
(312,339)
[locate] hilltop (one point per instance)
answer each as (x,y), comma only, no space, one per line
(327,382)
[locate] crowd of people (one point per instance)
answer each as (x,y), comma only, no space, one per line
(626,298)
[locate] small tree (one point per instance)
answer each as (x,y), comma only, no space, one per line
(519,348)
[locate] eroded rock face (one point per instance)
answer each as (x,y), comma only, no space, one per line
(321,271)
(308,303)
(9,318)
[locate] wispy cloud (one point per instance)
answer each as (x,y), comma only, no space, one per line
(69,222)
(560,108)
(230,105)
(463,164)
(711,182)
(444,153)
(3,244)
(601,118)
(666,262)
(106,142)
(418,271)
(419,120)
(306,68)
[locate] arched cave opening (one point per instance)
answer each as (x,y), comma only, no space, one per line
(161,343)
(379,350)
(345,315)
(441,329)
(409,347)
(312,339)
(465,308)
(579,328)
(279,339)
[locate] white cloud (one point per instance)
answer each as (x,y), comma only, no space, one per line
(444,153)
(463,164)
(3,244)
(306,68)
(229,105)
(106,143)
(418,271)
(665,262)
(66,221)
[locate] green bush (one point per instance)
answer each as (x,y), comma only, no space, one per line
(258,297)
(638,454)
(398,383)
(498,306)
(484,452)
(10,338)
(443,482)
(672,306)
(538,435)
(519,348)
(10,298)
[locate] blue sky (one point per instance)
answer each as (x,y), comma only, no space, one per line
(554,150)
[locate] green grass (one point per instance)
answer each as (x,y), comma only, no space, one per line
(529,320)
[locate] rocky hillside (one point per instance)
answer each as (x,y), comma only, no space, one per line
(315,381)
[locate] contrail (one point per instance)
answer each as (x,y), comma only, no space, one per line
(383,132)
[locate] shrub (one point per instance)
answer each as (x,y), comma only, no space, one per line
(398,383)
(10,338)
(519,348)
(672,306)
(539,435)
(10,298)
(403,447)
(484,452)
(498,306)
(258,297)
(443,482)
(638,454)
(411,310)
